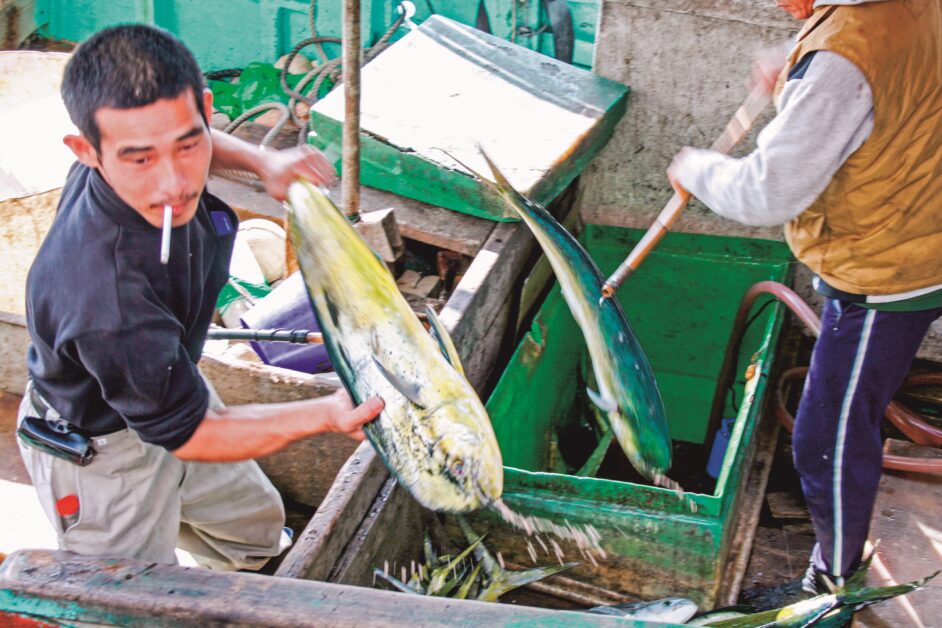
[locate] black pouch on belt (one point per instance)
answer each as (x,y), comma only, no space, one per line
(71,446)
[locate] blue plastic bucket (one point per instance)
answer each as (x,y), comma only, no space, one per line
(720,443)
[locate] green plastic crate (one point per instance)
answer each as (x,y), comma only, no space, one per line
(681,304)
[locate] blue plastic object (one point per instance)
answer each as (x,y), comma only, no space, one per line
(287,307)
(720,442)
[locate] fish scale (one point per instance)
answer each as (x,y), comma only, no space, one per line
(434,434)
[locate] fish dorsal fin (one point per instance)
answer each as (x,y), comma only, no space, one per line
(445,343)
(607,405)
(396,582)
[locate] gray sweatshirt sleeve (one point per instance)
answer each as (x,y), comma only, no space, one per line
(824,116)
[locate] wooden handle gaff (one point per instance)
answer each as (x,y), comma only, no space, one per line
(735,130)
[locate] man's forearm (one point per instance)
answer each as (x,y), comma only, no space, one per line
(277,169)
(256,430)
(231,153)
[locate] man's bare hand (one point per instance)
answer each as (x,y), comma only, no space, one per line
(767,67)
(281,168)
(676,169)
(345,419)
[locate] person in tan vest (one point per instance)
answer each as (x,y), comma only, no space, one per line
(852,166)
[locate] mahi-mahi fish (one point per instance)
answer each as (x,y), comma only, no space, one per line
(828,610)
(434,434)
(627,392)
(669,610)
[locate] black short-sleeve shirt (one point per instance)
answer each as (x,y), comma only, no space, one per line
(116,335)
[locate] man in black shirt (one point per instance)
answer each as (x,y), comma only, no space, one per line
(116,334)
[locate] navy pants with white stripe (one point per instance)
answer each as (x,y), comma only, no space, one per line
(859,362)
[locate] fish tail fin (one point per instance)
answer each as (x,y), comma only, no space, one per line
(871,595)
(858,578)
(499,177)
(509,191)
(395,582)
(474,173)
(510,580)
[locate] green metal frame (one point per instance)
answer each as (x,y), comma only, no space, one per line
(245,31)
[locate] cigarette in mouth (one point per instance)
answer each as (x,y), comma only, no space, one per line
(165,235)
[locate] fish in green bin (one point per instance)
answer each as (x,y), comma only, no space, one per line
(627,392)
(434,434)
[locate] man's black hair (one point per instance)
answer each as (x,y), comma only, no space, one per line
(125,67)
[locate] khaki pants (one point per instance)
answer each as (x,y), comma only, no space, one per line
(138,500)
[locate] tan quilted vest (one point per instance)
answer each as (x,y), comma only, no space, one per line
(877,228)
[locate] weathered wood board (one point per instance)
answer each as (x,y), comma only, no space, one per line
(338,517)
(749,505)
(71,588)
(907,523)
(17,22)
(417,221)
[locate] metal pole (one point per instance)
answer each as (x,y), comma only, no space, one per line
(295,336)
(352,54)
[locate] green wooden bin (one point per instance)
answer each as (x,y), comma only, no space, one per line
(681,304)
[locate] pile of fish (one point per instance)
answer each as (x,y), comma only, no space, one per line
(474,574)
(434,434)
(627,392)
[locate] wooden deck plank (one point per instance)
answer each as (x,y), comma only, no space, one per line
(74,588)
(427,223)
(417,220)
(401,518)
(750,506)
(907,524)
(328,533)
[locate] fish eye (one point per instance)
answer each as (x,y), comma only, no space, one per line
(457,468)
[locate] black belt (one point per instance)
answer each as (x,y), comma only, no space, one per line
(53,435)
(60,425)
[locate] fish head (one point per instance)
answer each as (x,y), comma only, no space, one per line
(669,609)
(645,440)
(652,459)
(465,468)
(674,609)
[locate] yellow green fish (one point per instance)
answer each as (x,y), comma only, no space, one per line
(434,434)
